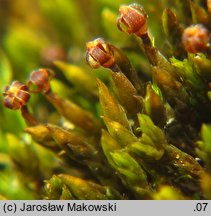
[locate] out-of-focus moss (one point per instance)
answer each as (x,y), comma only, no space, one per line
(137,127)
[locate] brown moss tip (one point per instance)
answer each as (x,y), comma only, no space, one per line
(15,95)
(99,54)
(196,38)
(132,19)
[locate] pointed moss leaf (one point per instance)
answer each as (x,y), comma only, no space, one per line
(71,143)
(155,133)
(110,107)
(55,189)
(42,135)
(170,25)
(173,31)
(184,11)
(168,19)
(126,98)
(145,139)
(146,151)
(109,145)
(75,114)
(121,134)
(130,172)
(199,14)
(124,161)
(204,65)
(188,73)
(154,107)
(66,195)
(86,190)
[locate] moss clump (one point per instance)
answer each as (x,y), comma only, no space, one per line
(134,125)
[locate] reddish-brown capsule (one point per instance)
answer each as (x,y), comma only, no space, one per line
(132,19)
(41,79)
(99,53)
(16,95)
(196,38)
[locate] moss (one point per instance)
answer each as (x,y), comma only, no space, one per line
(133,123)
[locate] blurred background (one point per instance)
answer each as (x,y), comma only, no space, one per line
(34,34)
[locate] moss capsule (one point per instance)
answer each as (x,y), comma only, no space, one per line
(196,38)
(99,54)
(16,95)
(41,79)
(132,19)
